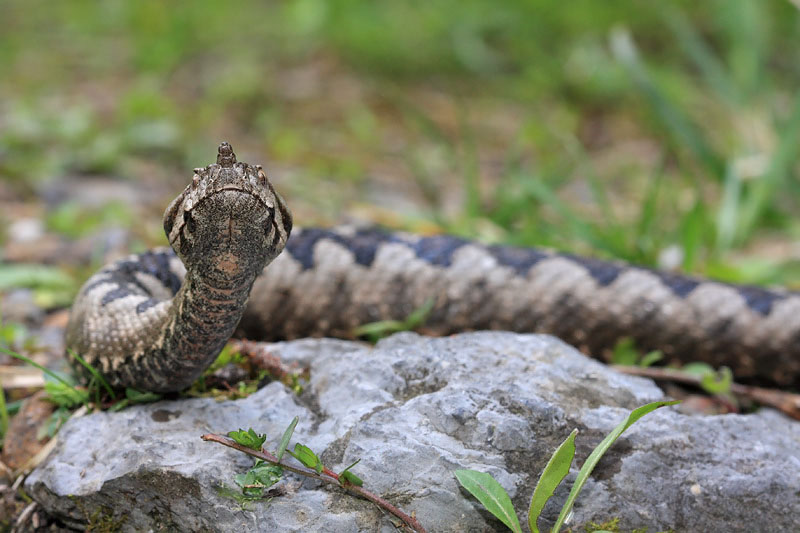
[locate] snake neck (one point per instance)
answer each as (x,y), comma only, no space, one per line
(201,318)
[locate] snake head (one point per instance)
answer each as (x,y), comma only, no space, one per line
(229,222)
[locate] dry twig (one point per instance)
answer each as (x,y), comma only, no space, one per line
(328,477)
(786,402)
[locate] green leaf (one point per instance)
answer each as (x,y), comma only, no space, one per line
(304,454)
(33,277)
(66,395)
(598,452)
(250,487)
(266,473)
(227,356)
(287,436)
(4,418)
(120,405)
(248,438)
(418,315)
(135,396)
(241,498)
(374,331)
(650,358)
(717,382)
(261,476)
(491,495)
(697,368)
(624,352)
(349,477)
(12,333)
(554,472)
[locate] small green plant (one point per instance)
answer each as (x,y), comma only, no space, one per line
(4,415)
(374,331)
(12,334)
(260,477)
(302,453)
(268,470)
(712,381)
(245,356)
(496,500)
(64,391)
(132,397)
(626,353)
(248,438)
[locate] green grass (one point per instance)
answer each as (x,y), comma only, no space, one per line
(496,500)
(619,129)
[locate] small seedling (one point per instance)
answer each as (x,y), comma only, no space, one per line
(248,438)
(496,500)
(259,478)
(625,353)
(346,476)
(269,468)
(374,331)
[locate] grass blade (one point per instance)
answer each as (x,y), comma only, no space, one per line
(597,453)
(37,365)
(491,494)
(33,277)
(4,418)
(703,57)
(682,131)
(646,239)
(556,470)
(95,374)
(765,188)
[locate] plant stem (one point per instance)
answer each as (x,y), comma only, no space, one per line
(329,477)
(786,402)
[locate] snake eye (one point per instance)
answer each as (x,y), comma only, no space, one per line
(188,222)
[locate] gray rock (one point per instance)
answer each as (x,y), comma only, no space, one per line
(415,409)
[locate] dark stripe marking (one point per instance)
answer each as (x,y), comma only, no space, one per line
(758,299)
(439,249)
(521,260)
(603,272)
(123,276)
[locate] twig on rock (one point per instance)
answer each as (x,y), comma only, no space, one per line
(262,357)
(327,477)
(786,402)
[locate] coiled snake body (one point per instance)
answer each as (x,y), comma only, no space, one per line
(151,323)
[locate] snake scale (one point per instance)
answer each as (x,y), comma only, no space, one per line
(155,321)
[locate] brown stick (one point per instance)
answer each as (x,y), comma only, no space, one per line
(330,477)
(786,402)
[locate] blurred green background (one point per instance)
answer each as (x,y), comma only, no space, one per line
(664,133)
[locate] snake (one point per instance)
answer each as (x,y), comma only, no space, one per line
(156,321)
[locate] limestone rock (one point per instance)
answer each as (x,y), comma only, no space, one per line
(414,409)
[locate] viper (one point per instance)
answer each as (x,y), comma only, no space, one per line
(155,321)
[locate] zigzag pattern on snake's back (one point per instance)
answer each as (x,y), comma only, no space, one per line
(165,331)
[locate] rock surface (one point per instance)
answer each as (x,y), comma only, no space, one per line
(415,409)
